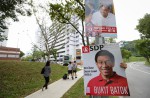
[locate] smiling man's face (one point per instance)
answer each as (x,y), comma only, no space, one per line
(104,11)
(105,66)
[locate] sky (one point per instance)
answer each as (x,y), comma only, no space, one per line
(22,34)
(127,12)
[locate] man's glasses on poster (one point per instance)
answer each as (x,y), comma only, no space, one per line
(108,62)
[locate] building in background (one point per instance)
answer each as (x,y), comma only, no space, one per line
(67,43)
(8,53)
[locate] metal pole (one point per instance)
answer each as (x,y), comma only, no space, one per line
(99,40)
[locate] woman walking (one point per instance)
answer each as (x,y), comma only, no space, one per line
(46,74)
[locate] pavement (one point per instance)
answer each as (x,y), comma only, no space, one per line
(56,89)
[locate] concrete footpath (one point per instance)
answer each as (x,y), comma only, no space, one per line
(56,89)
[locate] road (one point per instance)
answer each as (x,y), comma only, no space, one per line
(138,77)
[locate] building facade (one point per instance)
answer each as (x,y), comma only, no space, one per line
(8,53)
(67,41)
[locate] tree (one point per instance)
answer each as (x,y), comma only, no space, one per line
(64,12)
(49,33)
(27,58)
(2,37)
(126,54)
(130,46)
(144,26)
(110,40)
(51,37)
(54,53)
(143,47)
(21,54)
(36,54)
(11,9)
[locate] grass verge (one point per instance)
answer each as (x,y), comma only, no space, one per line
(147,64)
(133,59)
(19,79)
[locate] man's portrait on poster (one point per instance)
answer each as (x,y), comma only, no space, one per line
(108,82)
(99,14)
(103,17)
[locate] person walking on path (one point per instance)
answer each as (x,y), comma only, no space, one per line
(70,70)
(46,74)
(74,68)
(59,88)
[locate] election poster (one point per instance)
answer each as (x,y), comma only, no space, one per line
(103,75)
(100,18)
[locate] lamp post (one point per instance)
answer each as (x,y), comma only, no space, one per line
(18,40)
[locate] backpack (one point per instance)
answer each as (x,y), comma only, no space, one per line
(64,76)
(42,71)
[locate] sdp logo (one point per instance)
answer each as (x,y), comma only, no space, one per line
(85,49)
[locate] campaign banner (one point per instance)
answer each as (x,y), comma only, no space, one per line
(103,75)
(100,18)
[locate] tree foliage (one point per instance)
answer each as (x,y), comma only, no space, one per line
(27,58)
(143,47)
(21,54)
(144,26)
(49,34)
(54,53)
(2,37)
(10,9)
(126,54)
(65,12)
(130,46)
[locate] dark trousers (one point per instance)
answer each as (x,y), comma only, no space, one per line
(46,82)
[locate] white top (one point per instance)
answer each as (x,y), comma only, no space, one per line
(99,20)
(70,67)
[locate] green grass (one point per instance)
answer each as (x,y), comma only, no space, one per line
(137,59)
(19,79)
(147,64)
(77,91)
(133,59)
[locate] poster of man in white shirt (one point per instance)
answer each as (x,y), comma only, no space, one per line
(102,21)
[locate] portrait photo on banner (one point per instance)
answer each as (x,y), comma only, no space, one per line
(103,75)
(100,18)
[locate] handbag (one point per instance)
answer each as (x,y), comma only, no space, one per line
(42,71)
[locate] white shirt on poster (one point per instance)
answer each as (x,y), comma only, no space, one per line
(99,20)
